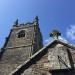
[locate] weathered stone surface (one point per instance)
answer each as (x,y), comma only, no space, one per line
(17,50)
(57,58)
(49,61)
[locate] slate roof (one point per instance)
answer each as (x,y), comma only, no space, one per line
(21,68)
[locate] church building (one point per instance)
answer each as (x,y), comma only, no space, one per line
(24,54)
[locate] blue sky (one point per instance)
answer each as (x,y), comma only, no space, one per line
(53,14)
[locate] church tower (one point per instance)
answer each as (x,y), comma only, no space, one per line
(23,41)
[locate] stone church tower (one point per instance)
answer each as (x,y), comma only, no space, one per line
(23,41)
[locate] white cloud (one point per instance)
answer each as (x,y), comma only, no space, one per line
(63,39)
(71,32)
(47,40)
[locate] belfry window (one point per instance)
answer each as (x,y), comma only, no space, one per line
(21,34)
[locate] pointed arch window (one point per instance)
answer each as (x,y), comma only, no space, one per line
(21,34)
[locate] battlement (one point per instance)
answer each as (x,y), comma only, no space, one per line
(28,24)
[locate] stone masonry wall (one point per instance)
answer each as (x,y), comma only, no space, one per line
(12,58)
(49,62)
(14,41)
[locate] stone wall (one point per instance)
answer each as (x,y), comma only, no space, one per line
(12,58)
(49,62)
(14,41)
